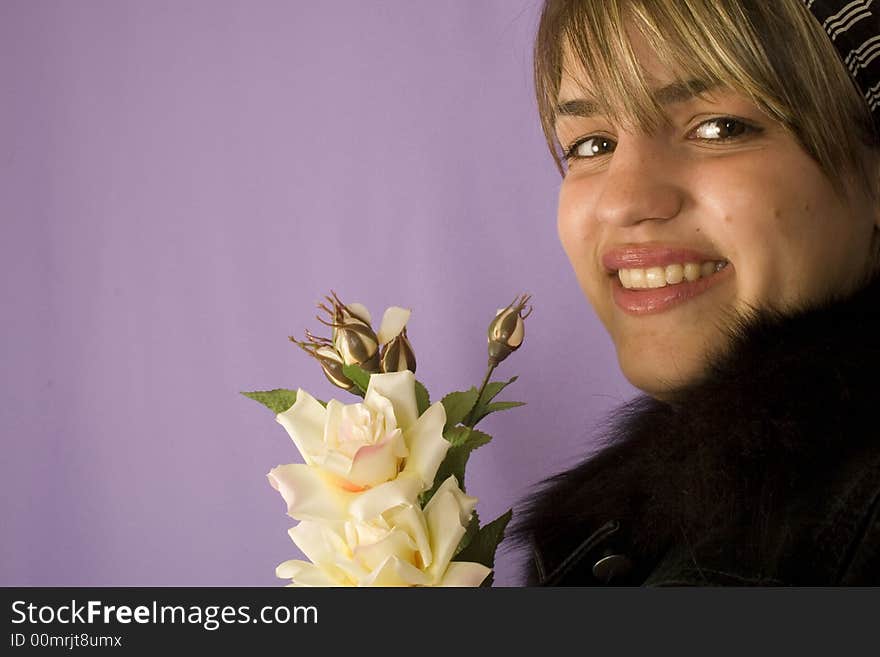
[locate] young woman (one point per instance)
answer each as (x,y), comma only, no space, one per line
(720,206)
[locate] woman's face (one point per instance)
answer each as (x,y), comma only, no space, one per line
(721,183)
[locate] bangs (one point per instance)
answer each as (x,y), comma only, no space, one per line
(596,49)
(741,45)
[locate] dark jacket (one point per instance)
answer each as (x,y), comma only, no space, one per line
(766,472)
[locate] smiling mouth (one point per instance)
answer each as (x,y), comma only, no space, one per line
(674,274)
(656,295)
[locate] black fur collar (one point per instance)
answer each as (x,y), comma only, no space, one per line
(791,398)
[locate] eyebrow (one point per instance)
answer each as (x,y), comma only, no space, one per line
(677,92)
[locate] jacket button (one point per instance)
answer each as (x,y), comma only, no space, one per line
(611,566)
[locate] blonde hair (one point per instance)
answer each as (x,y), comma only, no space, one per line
(774,53)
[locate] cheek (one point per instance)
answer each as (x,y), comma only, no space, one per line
(568,230)
(577,233)
(579,236)
(763,241)
(733,210)
(785,238)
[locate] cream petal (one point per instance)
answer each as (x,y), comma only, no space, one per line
(399,444)
(360,311)
(309,494)
(404,489)
(427,446)
(382,408)
(332,420)
(288,569)
(304,422)
(318,542)
(464,573)
(410,519)
(466,503)
(334,462)
(400,389)
(374,464)
(364,533)
(393,321)
(445,529)
(396,543)
(394,572)
(351,571)
(304,573)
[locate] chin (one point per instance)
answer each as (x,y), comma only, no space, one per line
(660,375)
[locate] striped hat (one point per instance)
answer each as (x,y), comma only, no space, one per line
(854,28)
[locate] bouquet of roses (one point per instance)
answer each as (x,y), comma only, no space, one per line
(380,497)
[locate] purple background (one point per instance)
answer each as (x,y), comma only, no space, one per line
(180,183)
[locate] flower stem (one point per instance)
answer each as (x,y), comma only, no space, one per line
(491,369)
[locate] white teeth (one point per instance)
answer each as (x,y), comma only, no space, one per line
(692,271)
(674,274)
(654,277)
(637,278)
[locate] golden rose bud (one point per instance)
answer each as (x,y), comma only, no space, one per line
(398,355)
(353,337)
(357,344)
(507,330)
(353,341)
(331,362)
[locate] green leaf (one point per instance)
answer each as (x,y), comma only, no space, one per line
(489,393)
(467,440)
(503,406)
(458,405)
(482,547)
(469,532)
(457,435)
(277,401)
(359,376)
(423,399)
(498,406)
(494,387)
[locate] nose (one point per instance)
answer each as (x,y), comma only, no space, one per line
(639,183)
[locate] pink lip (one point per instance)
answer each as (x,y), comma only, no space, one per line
(648,255)
(657,300)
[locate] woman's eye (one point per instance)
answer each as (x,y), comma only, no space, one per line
(721,129)
(590,147)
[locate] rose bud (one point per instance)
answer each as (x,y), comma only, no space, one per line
(398,355)
(353,337)
(397,352)
(322,350)
(357,344)
(507,330)
(331,363)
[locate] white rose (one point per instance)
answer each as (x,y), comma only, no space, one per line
(401,546)
(361,458)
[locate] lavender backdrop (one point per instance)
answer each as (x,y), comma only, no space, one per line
(180,183)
